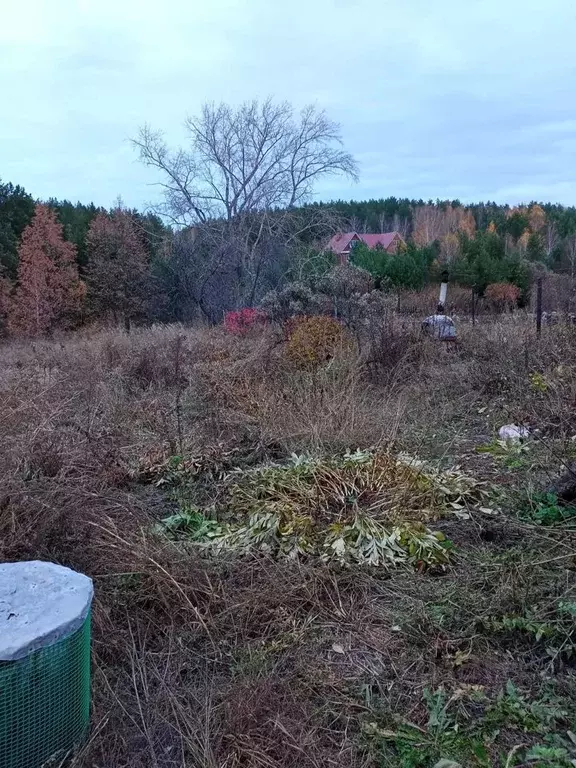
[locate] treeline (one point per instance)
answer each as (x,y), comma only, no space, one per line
(539,232)
(241,230)
(65,264)
(17,210)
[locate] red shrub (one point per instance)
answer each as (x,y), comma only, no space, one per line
(244,320)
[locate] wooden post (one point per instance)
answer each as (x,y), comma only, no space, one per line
(473,307)
(539,307)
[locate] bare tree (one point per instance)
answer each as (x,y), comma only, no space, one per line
(551,236)
(255,157)
(211,269)
(238,184)
(401,224)
(570,250)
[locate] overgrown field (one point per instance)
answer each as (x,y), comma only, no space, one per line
(305,561)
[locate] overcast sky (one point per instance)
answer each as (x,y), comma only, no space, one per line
(474,99)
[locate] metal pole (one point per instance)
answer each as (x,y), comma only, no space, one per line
(539,307)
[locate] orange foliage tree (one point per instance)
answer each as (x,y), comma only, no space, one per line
(48,290)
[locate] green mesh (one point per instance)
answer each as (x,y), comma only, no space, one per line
(45,702)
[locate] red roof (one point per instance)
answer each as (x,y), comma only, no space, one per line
(341,242)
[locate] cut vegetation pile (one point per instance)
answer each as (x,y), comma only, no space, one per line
(366,507)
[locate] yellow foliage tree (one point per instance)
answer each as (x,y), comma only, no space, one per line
(449,247)
(467,222)
(523,240)
(537,218)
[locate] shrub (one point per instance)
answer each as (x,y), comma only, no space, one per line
(502,296)
(293,300)
(314,340)
(345,281)
(244,320)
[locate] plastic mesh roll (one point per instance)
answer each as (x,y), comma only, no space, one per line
(45,701)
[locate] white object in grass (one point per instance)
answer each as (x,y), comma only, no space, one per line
(513,433)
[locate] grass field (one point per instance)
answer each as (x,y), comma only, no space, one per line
(216,494)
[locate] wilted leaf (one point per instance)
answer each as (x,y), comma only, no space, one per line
(337,648)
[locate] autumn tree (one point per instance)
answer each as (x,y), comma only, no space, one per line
(449,247)
(117,276)
(435,222)
(522,242)
(429,224)
(5,291)
(536,218)
(502,296)
(48,290)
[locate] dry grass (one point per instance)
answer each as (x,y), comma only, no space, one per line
(226,661)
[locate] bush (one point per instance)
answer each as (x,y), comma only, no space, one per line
(345,281)
(293,300)
(314,340)
(502,296)
(244,320)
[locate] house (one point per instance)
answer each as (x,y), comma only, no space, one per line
(342,243)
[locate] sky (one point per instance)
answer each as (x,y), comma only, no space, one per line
(468,99)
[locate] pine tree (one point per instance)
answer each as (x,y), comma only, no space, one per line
(16,211)
(48,291)
(117,274)
(5,291)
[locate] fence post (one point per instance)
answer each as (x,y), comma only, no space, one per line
(473,307)
(539,307)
